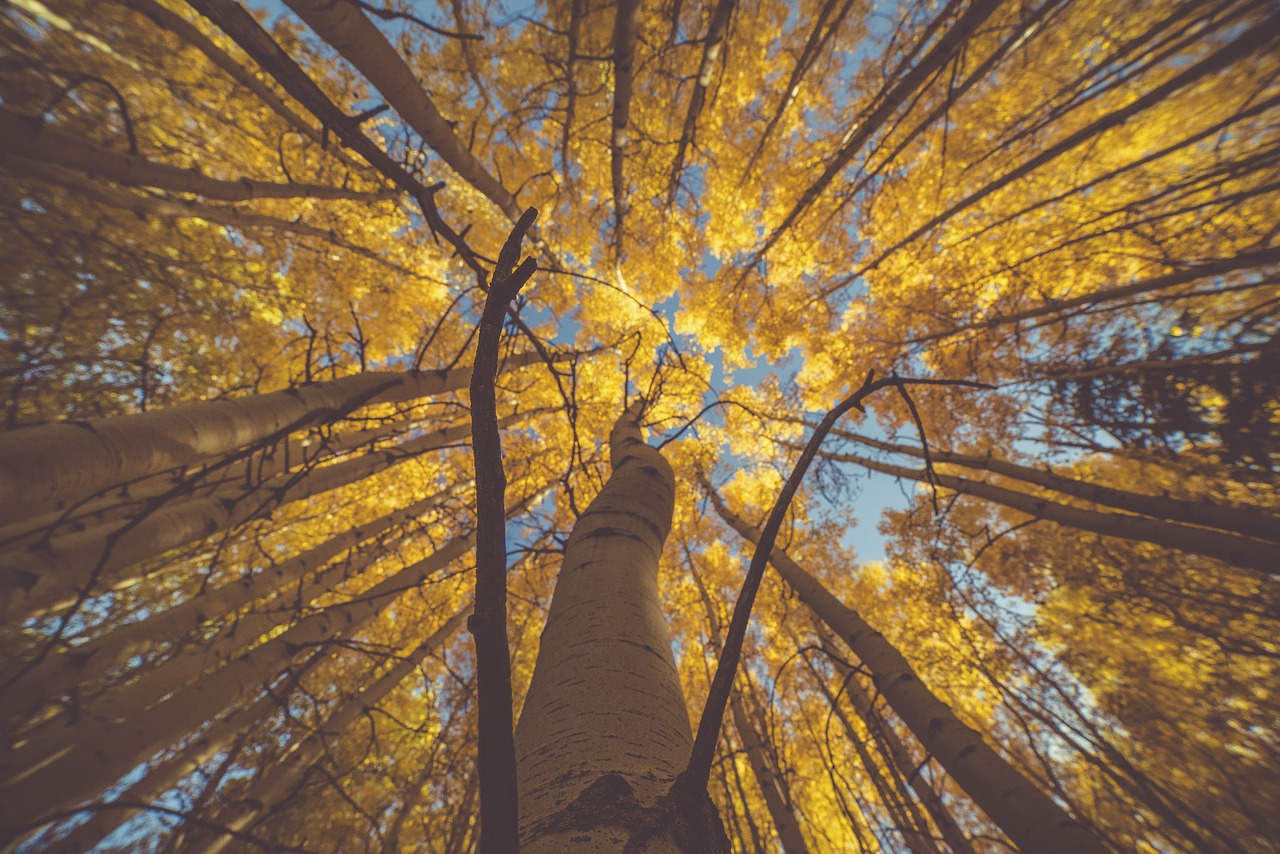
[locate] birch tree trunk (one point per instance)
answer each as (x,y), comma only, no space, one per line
(604,729)
(784,820)
(52,576)
(169,772)
(897,753)
(35,784)
(1026,814)
(59,674)
(1238,518)
(1233,549)
(55,465)
(280,776)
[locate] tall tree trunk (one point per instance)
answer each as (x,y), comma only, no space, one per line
(604,729)
(168,773)
(896,752)
(59,674)
(1229,548)
(1026,814)
(32,138)
(54,466)
(281,775)
(52,576)
(236,470)
(355,37)
(37,783)
(1242,519)
(784,820)
(764,768)
(902,810)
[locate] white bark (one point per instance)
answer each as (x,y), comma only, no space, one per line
(605,708)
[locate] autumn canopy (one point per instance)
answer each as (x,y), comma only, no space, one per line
(395,394)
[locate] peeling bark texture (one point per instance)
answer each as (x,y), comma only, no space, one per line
(605,729)
(55,465)
(1027,815)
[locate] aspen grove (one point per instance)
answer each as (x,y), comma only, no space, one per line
(639,426)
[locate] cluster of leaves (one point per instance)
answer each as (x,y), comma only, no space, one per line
(1073,200)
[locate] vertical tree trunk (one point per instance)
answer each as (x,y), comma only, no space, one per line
(604,729)
(784,820)
(906,818)
(1026,814)
(776,800)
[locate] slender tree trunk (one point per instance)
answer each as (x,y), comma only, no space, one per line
(463,819)
(626,29)
(93,755)
(784,820)
(711,44)
(902,810)
(173,770)
(234,473)
(896,752)
(54,466)
(192,35)
(281,775)
(604,729)
(59,674)
(355,37)
(54,575)
(1249,521)
(1229,548)
(1026,814)
(764,768)
(32,138)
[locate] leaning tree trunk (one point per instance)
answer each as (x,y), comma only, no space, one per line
(57,574)
(39,781)
(1026,814)
(279,778)
(303,578)
(605,730)
(164,775)
(56,465)
(895,750)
